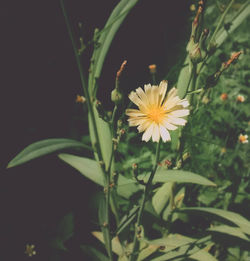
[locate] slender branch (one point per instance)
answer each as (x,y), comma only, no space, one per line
(147,189)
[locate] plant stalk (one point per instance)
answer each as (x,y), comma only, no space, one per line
(147,189)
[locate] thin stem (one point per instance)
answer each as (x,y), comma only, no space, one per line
(220,22)
(109,170)
(83,82)
(147,189)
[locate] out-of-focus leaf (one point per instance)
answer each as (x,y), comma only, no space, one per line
(179,176)
(94,254)
(234,218)
(228,230)
(243,14)
(57,243)
(89,168)
(127,187)
(44,147)
(66,227)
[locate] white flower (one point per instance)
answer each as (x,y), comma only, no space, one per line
(157,114)
(243,138)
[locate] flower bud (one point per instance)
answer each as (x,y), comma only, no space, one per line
(116,96)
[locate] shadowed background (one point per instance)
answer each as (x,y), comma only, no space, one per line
(40,81)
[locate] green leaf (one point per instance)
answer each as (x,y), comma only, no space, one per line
(178,247)
(161,197)
(243,14)
(94,253)
(66,227)
(228,230)
(179,176)
(234,218)
(127,187)
(116,245)
(104,135)
(89,168)
(44,147)
(107,34)
(127,219)
(102,214)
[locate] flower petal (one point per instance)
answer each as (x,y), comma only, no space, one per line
(164,134)
(148,133)
(156,133)
(179,113)
(134,113)
(168,126)
(177,121)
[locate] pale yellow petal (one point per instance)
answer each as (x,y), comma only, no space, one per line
(142,95)
(162,92)
(177,121)
(184,103)
(168,125)
(135,121)
(164,134)
(134,98)
(144,125)
(179,113)
(156,133)
(134,113)
(148,133)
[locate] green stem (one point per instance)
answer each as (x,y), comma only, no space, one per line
(220,22)
(147,189)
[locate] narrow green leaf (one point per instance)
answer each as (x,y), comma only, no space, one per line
(179,176)
(44,147)
(102,214)
(127,219)
(114,22)
(93,253)
(203,255)
(243,14)
(228,230)
(89,168)
(234,218)
(181,250)
(104,135)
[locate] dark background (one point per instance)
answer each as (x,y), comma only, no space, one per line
(39,83)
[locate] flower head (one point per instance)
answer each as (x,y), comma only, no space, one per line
(243,138)
(29,250)
(240,98)
(157,114)
(223,96)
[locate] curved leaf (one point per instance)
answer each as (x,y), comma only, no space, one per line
(228,230)
(89,168)
(234,218)
(44,147)
(179,176)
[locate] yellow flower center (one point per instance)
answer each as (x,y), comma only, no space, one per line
(243,138)
(156,114)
